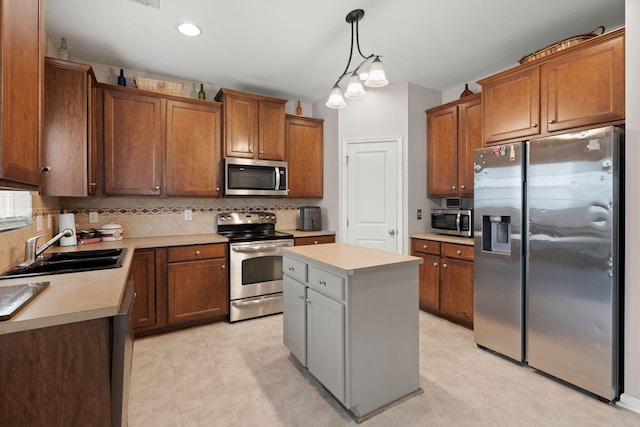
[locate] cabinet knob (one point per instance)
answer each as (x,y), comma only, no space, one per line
(323,283)
(156,188)
(315,242)
(453,187)
(300,296)
(459,252)
(261,151)
(551,121)
(462,186)
(291,268)
(217,188)
(435,264)
(222,267)
(444,266)
(534,125)
(424,246)
(46,169)
(197,253)
(307,300)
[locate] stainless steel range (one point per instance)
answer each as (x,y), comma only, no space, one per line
(255,263)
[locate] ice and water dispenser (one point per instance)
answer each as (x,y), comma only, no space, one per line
(496,234)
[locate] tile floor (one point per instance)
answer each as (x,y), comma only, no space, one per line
(242,375)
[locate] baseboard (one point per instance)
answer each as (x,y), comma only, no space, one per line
(629,402)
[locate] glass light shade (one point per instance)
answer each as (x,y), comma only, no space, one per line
(189,29)
(377,77)
(335,99)
(355,88)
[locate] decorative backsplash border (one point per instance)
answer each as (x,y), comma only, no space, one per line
(179,210)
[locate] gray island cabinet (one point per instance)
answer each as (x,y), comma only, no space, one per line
(351,318)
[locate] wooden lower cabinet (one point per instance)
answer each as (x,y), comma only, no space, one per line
(446,279)
(179,286)
(57,376)
(314,240)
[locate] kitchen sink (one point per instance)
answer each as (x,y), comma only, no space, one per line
(70,262)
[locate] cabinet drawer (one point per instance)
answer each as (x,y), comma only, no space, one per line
(326,283)
(314,240)
(195,252)
(295,269)
(452,250)
(425,246)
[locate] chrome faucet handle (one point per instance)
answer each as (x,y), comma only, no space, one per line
(30,248)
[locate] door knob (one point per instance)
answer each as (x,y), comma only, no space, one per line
(392,232)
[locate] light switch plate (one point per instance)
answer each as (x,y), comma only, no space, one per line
(188,215)
(93,217)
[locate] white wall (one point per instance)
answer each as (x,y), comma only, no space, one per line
(631,396)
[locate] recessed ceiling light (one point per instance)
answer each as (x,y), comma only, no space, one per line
(189,29)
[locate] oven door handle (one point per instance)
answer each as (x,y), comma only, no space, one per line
(261,248)
(253,302)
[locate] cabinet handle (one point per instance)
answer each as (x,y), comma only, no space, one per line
(551,121)
(459,252)
(534,125)
(46,169)
(197,253)
(444,266)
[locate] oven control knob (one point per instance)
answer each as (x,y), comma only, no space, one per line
(222,219)
(273,217)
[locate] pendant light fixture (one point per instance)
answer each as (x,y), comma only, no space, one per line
(375,78)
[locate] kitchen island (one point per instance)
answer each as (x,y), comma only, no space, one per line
(351,318)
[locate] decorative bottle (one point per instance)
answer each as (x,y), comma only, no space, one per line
(201,94)
(122,81)
(298,109)
(466,91)
(63,52)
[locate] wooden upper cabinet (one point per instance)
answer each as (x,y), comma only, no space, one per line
(585,87)
(454,130)
(69,132)
(304,155)
(193,148)
(512,106)
(442,147)
(133,143)
(579,87)
(254,125)
(21,80)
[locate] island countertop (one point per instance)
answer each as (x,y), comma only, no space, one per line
(350,260)
(87,295)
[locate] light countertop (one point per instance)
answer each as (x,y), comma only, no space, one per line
(443,238)
(347,259)
(87,295)
(298,233)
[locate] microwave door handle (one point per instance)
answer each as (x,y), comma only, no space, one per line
(277,178)
(458,221)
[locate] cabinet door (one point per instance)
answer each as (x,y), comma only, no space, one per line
(442,152)
(133,143)
(325,342)
(429,278)
(68,131)
(240,126)
(271,119)
(197,290)
(143,274)
(22,68)
(304,148)
(193,149)
(586,87)
(294,318)
(511,106)
(469,139)
(456,289)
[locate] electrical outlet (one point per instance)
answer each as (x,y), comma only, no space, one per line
(419,213)
(93,217)
(38,222)
(188,215)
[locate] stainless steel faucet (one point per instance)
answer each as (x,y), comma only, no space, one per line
(32,252)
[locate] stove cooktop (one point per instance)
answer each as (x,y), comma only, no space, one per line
(249,226)
(248,236)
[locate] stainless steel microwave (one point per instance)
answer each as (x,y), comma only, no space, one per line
(454,222)
(249,177)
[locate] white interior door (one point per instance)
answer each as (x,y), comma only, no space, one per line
(373,194)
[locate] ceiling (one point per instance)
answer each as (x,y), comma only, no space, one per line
(296,49)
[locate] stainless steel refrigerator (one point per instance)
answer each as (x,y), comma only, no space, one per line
(548,253)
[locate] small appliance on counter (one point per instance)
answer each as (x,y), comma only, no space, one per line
(111,232)
(67,220)
(309,219)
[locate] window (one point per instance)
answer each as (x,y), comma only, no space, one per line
(15,209)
